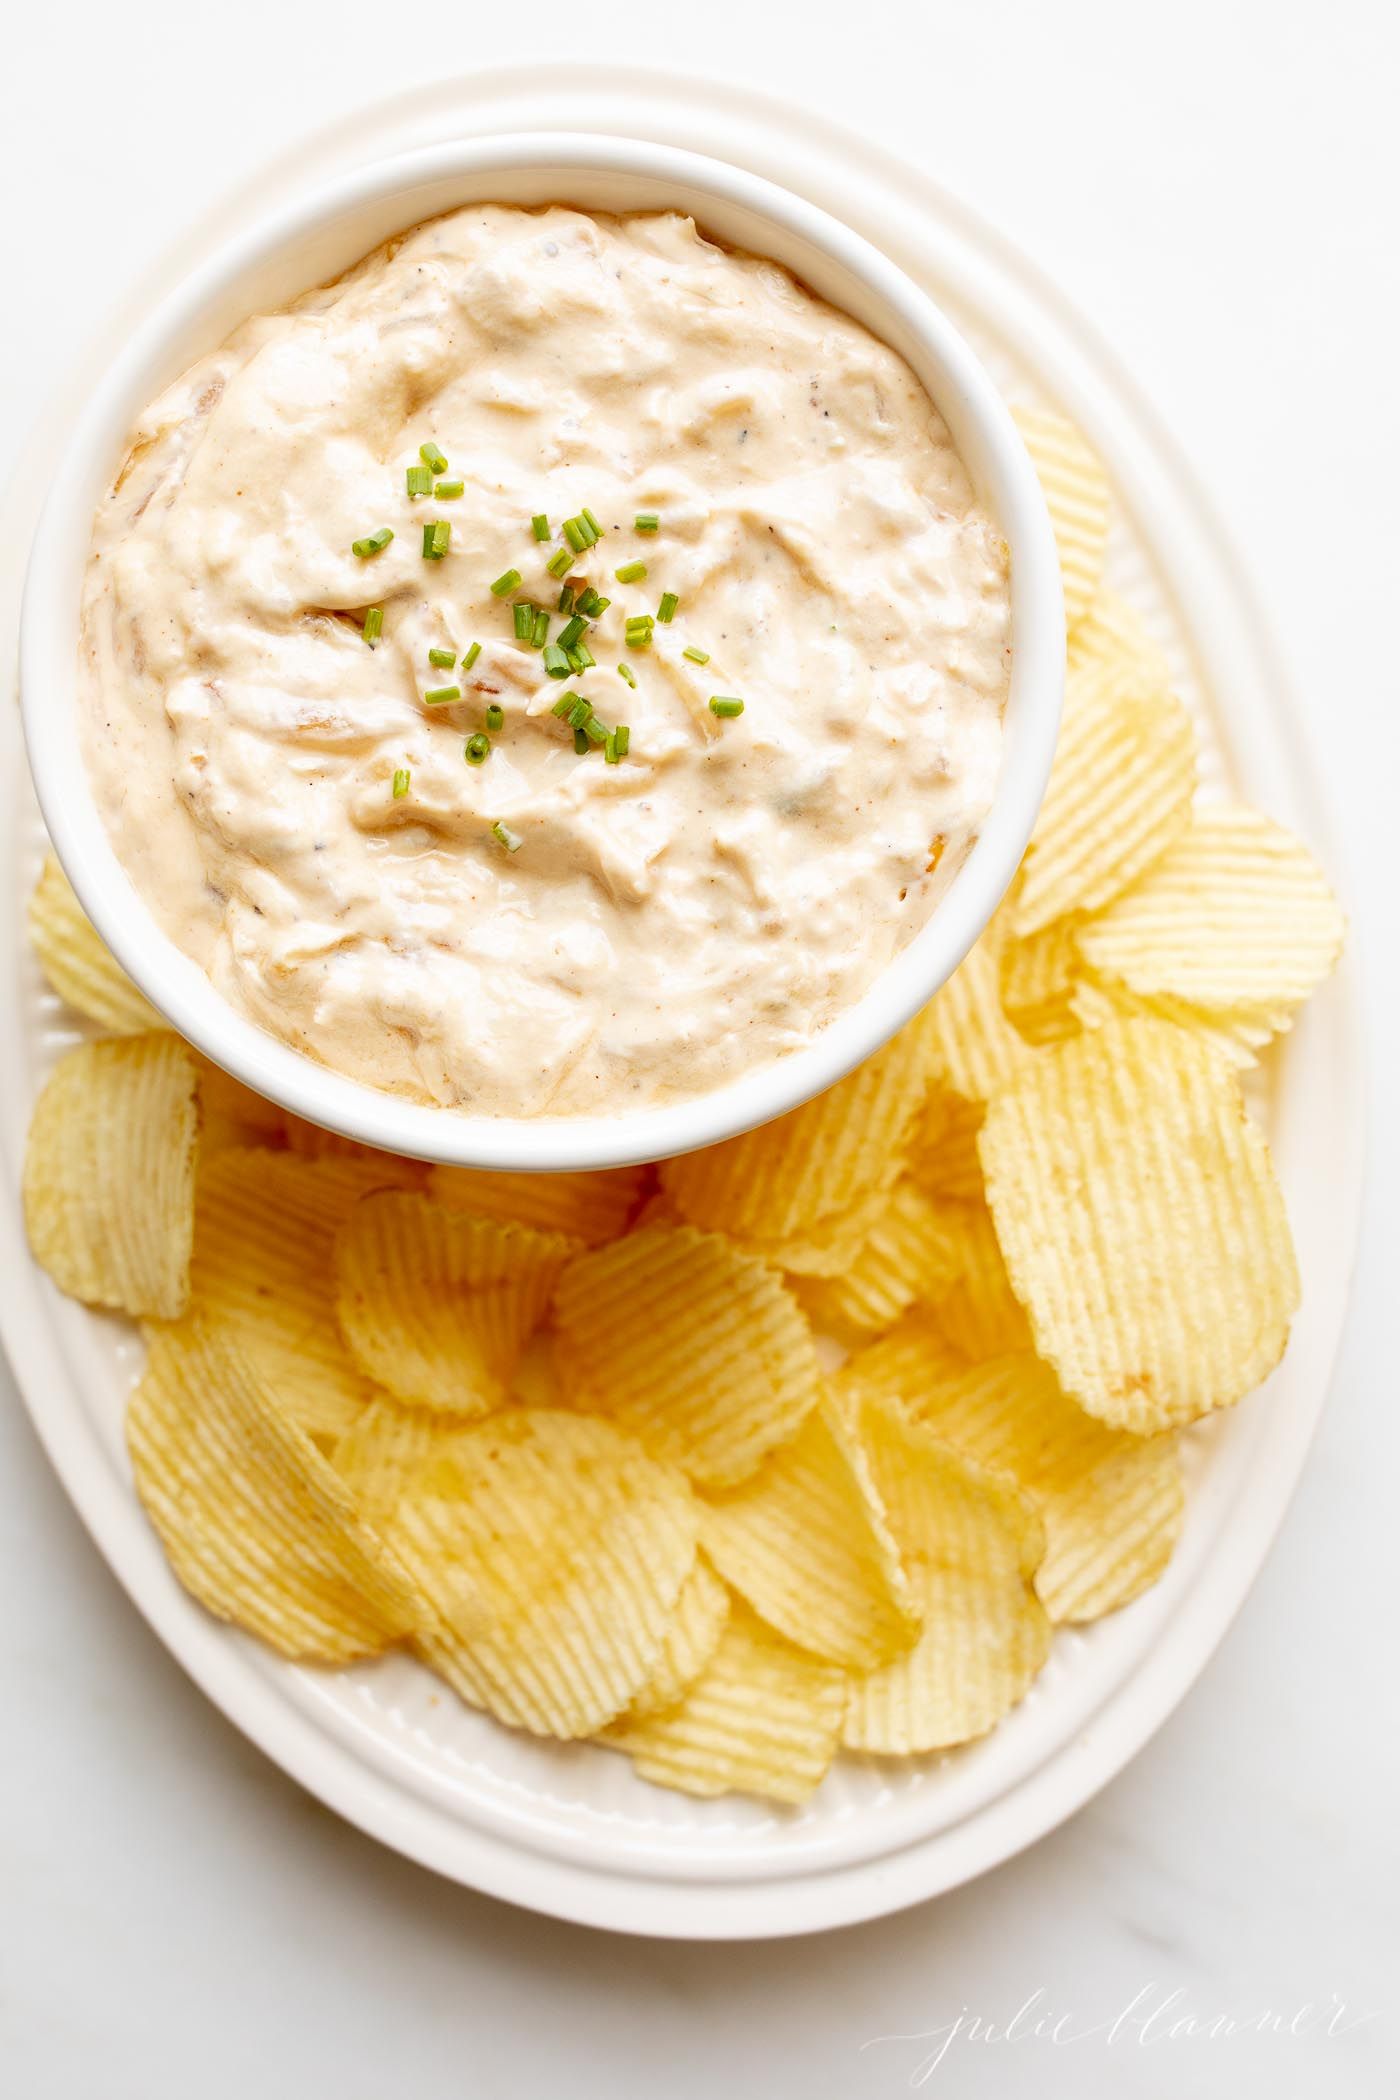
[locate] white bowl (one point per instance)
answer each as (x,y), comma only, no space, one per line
(311,240)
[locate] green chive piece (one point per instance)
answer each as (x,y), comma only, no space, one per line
(569,635)
(448,491)
(442,659)
(374,624)
(631,572)
(442,695)
(556,663)
(696,656)
(402,778)
(566,599)
(582,657)
(504,585)
(420,480)
(610,748)
(576,534)
(495,717)
(591,522)
(560,564)
(539,633)
(625,671)
(504,836)
(477,749)
(471,656)
(622,738)
(524,620)
(433,459)
(666,610)
(579,712)
(539,525)
(595,731)
(724,706)
(436,538)
(372,543)
(565,705)
(590,603)
(646,521)
(581,743)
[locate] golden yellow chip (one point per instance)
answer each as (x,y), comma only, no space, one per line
(1237,1036)
(694,1345)
(387,1445)
(253,1520)
(264,1269)
(910,1360)
(761,1718)
(973,1048)
(805,1541)
(972,1542)
(825,1248)
(979,1313)
(1076,494)
(1112,632)
(1141,1224)
(693,1633)
(553,1550)
(1235,915)
(109,1174)
(912,1252)
(81,969)
(943,1156)
(1112,1503)
(588,1207)
(779,1181)
(232,1114)
(1038,975)
(1119,795)
(436,1304)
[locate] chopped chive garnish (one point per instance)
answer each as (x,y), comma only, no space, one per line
(436,538)
(402,777)
(566,599)
(622,738)
(539,525)
(697,656)
(442,659)
(631,572)
(539,633)
(591,522)
(625,671)
(450,490)
(524,620)
(372,543)
(576,533)
(580,711)
(666,610)
(477,749)
(374,624)
(504,836)
(434,460)
(420,480)
(721,704)
(581,744)
(646,521)
(442,695)
(565,705)
(610,747)
(504,585)
(595,731)
(495,717)
(556,663)
(471,656)
(560,564)
(569,635)
(581,658)
(590,603)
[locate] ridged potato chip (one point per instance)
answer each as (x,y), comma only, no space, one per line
(825,1248)
(1119,795)
(910,1360)
(232,1114)
(1237,1036)
(1112,632)
(697,1347)
(1141,1224)
(943,1155)
(1112,1503)
(588,1207)
(1076,495)
(972,1542)
(911,1252)
(253,1520)
(693,1632)
(779,1181)
(806,1543)
(1038,976)
(79,966)
(973,1048)
(436,1304)
(761,1718)
(1235,915)
(264,1269)
(979,1313)
(109,1174)
(385,1448)
(553,1551)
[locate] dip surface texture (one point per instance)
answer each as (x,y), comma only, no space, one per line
(705,905)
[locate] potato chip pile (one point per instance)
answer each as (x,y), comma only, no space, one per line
(1040,1224)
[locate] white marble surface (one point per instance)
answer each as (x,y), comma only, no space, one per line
(1215,185)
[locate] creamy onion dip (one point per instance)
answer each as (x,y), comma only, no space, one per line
(542,931)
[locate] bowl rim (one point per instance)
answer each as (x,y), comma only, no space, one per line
(293,1079)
